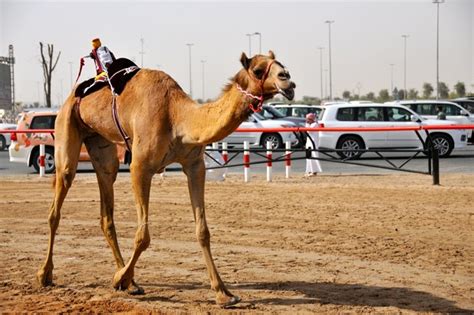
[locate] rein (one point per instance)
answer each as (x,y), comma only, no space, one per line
(258,107)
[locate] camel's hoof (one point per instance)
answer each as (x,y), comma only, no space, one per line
(45,278)
(229,301)
(135,289)
(124,283)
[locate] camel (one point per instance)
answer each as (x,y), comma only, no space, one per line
(165,126)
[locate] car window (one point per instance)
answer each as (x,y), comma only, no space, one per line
(412,107)
(346,114)
(452,110)
(426,109)
(43,122)
(398,114)
(370,114)
(271,112)
(260,116)
(282,110)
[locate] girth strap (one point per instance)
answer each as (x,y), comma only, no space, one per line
(124,135)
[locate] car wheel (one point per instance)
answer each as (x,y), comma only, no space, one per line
(3,143)
(49,165)
(274,138)
(443,144)
(350,143)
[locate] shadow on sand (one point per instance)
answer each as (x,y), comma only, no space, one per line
(337,294)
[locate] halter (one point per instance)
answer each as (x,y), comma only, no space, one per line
(257,108)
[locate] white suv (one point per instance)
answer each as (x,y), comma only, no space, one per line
(453,111)
(383,115)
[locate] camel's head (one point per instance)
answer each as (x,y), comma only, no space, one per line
(265,76)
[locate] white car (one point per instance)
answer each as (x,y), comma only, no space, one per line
(5,137)
(453,111)
(256,120)
(383,115)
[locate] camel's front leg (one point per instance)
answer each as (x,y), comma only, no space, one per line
(196,178)
(141,182)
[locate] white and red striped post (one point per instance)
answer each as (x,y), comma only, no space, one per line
(246,162)
(269,161)
(225,155)
(287,159)
(41,160)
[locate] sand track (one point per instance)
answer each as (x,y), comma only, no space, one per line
(385,243)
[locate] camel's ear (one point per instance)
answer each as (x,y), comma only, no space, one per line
(271,54)
(245,61)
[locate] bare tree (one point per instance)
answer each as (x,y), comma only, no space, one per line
(48,68)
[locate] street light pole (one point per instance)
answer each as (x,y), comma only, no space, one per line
(321,69)
(391,78)
(203,90)
(405,67)
(142,41)
(250,44)
(437,46)
(329,22)
(190,73)
(70,73)
(259,42)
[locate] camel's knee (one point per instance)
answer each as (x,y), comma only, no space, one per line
(64,178)
(142,238)
(203,235)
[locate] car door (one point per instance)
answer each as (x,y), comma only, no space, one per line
(372,117)
(401,117)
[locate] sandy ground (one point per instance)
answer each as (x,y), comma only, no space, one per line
(331,244)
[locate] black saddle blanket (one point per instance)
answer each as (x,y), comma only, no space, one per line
(120,72)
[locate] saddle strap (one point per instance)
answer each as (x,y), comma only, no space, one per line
(122,132)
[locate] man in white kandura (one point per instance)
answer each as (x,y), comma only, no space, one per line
(312,166)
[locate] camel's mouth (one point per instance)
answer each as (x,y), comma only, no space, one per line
(288,93)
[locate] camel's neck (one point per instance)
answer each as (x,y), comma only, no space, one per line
(214,121)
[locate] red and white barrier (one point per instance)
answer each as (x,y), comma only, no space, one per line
(225,154)
(42,157)
(287,159)
(269,161)
(246,162)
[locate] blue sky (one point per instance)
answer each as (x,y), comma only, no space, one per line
(366,39)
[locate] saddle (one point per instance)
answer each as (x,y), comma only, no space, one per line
(120,72)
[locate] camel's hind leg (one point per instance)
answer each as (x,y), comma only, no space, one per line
(104,158)
(196,180)
(68,144)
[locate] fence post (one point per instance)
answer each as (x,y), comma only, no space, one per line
(269,161)
(225,154)
(287,159)
(435,155)
(246,162)
(41,160)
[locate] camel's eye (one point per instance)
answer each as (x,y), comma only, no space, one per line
(258,73)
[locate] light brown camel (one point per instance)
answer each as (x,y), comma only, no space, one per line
(165,126)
